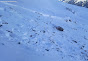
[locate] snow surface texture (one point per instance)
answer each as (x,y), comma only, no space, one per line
(43,30)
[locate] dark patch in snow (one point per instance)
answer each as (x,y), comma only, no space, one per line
(74,41)
(44,31)
(0,25)
(19,42)
(5,23)
(2,43)
(30,35)
(9,31)
(68,20)
(47,49)
(82,47)
(59,28)
(33,30)
(69,9)
(57,49)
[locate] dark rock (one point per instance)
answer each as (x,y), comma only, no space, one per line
(59,28)
(19,42)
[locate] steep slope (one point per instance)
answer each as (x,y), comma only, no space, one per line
(51,30)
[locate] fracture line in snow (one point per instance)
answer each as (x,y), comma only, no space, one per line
(45,15)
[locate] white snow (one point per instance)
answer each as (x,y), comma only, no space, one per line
(28,31)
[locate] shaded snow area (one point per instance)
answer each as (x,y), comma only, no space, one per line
(43,30)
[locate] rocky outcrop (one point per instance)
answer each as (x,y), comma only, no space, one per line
(83,3)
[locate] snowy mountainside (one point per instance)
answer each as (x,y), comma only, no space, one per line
(83,3)
(74,0)
(43,31)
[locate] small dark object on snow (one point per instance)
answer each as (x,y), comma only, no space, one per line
(59,28)
(19,43)
(33,30)
(47,49)
(74,41)
(82,47)
(69,20)
(9,31)
(0,25)
(44,31)
(36,42)
(30,35)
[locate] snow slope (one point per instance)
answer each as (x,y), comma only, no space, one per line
(29,31)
